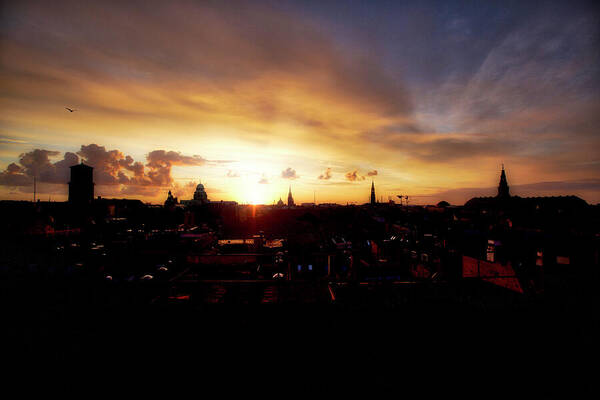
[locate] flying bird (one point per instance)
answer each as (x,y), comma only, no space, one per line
(70,109)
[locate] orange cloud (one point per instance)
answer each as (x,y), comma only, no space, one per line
(354,176)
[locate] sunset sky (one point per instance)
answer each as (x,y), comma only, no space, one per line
(428,99)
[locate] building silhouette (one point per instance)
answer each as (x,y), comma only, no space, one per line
(503,191)
(504,201)
(81,185)
(290,201)
(373,199)
(200,195)
(171,200)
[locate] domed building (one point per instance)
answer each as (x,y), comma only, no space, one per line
(200,195)
(171,201)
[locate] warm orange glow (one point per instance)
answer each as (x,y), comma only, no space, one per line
(253,106)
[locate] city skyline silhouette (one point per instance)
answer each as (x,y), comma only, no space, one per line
(274,195)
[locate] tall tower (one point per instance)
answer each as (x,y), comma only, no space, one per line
(373,200)
(503,192)
(290,198)
(81,186)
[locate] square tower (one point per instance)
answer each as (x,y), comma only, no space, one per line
(81,186)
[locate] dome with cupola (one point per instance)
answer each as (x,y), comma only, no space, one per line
(200,195)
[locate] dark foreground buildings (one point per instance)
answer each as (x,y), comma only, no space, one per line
(323,293)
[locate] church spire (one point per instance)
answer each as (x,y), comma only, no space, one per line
(290,198)
(373,199)
(503,191)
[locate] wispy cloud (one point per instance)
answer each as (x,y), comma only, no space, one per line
(326,175)
(8,140)
(353,176)
(289,173)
